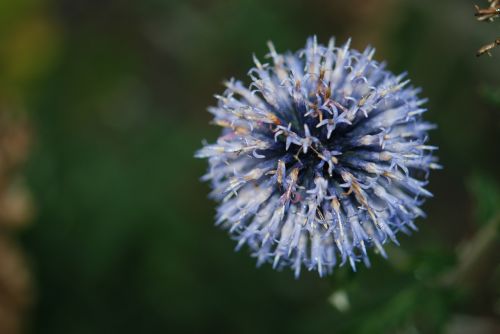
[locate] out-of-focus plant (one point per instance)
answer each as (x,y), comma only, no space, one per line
(26,50)
(16,210)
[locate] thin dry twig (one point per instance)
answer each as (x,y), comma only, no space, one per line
(475,257)
(488,15)
(488,47)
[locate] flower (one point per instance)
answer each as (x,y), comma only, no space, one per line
(321,158)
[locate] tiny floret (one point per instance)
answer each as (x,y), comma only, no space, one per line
(323,157)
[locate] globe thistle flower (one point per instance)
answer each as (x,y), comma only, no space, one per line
(321,158)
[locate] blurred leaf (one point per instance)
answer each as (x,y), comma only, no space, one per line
(490,94)
(28,49)
(486,192)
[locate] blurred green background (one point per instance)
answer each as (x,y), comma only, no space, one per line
(123,238)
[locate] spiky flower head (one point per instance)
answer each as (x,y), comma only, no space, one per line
(321,158)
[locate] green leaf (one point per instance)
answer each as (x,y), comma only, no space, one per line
(486,191)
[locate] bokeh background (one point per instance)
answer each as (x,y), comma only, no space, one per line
(105,227)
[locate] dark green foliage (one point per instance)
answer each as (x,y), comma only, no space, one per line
(124,240)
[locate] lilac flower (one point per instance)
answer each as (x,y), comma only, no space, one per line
(321,158)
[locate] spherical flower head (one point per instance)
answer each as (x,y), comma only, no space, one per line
(321,158)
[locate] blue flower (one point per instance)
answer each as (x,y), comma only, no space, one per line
(321,158)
